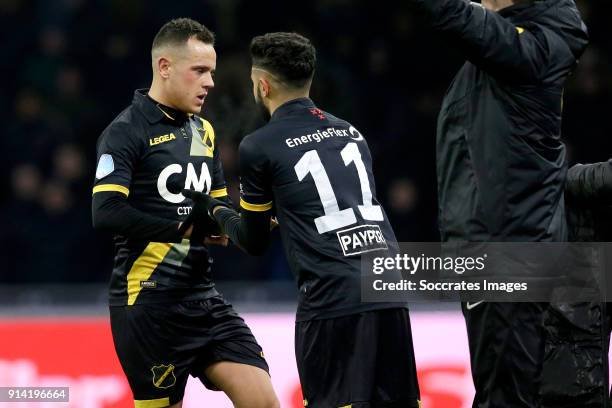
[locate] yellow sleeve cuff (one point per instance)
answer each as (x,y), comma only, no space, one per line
(111,187)
(255,207)
(222,192)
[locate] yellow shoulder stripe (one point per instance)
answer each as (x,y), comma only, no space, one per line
(153,403)
(210,133)
(520,30)
(222,192)
(111,187)
(203,139)
(255,207)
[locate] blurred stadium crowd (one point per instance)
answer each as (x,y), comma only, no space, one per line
(70,66)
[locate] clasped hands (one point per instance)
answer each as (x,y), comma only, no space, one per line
(200,226)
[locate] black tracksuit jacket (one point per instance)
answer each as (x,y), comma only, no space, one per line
(501,163)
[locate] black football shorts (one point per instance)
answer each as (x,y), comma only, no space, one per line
(364,360)
(160,345)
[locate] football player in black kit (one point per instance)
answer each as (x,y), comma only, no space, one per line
(314,172)
(167,319)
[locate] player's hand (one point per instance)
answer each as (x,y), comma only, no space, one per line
(203,224)
(203,202)
(222,240)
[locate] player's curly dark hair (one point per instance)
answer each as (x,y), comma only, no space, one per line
(178,31)
(290,56)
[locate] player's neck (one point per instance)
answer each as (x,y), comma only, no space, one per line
(283,99)
(497,5)
(158,95)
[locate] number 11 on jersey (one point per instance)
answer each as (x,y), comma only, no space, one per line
(334,217)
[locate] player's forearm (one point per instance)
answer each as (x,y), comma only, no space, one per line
(112,213)
(251,231)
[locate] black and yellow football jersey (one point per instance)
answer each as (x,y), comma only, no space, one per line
(149,154)
(315,172)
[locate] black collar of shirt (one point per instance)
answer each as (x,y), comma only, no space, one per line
(155,111)
(291,106)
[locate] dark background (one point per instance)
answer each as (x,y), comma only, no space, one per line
(70,66)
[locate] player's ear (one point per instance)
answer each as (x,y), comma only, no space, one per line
(264,87)
(163,67)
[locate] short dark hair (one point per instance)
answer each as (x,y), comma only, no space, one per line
(289,55)
(178,31)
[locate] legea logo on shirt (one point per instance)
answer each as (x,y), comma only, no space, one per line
(161,139)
